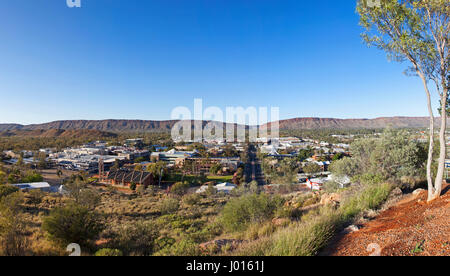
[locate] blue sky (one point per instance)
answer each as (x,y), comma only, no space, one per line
(139,59)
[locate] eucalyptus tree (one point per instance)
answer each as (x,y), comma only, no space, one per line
(416,31)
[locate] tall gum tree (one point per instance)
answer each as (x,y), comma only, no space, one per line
(416,31)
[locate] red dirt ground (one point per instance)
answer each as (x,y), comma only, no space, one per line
(410,228)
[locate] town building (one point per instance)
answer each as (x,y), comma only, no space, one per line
(123,177)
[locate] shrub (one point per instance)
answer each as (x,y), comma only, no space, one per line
(169,206)
(192,199)
(317,228)
(137,239)
(311,168)
(35,197)
(141,189)
(33,177)
(13,240)
(89,198)
(370,198)
(238,213)
(72,224)
(179,188)
(211,190)
(133,186)
(2,177)
(6,190)
(107,252)
(184,247)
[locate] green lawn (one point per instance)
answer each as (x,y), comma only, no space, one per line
(226,178)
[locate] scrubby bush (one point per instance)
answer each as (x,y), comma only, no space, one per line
(13,240)
(192,199)
(2,177)
(72,224)
(137,239)
(6,190)
(392,156)
(133,186)
(33,177)
(108,252)
(211,190)
(35,197)
(169,205)
(179,188)
(311,168)
(89,198)
(184,247)
(238,213)
(308,236)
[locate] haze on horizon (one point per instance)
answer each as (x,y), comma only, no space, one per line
(130,59)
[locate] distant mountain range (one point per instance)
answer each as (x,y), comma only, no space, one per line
(58,133)
(165,126)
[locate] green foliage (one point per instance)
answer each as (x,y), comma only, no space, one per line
(2,177)
(211,190)
(311,168)
(184,247)
(238,213)
(108,252)
(81,194)
(179,188)
(192,199)
(254,187)
(158,169)
(138,239)
(35,197)
(72,224)
(6,190)
(13,240)
(133,186)
(369,198)
(280,172)
(346,166)
(215,169)
(304,154)
(89,198)
(337,156)
(169,206)
(315,230)
(139,160)
(392,156)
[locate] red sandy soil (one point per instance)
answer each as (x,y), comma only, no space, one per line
(412,227)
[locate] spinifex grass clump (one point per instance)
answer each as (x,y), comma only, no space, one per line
(313,232)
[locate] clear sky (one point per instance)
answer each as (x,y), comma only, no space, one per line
(139,59)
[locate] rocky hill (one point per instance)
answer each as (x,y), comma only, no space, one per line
(58,133)
(331,123)
(165,126)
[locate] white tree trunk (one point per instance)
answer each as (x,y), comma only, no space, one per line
(431,134)
(443,149)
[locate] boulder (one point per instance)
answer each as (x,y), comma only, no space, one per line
(418,192)
(217,246)
(330,199)
(351,229)
(397,192)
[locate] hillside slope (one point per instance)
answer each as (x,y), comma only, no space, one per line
(410,228)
